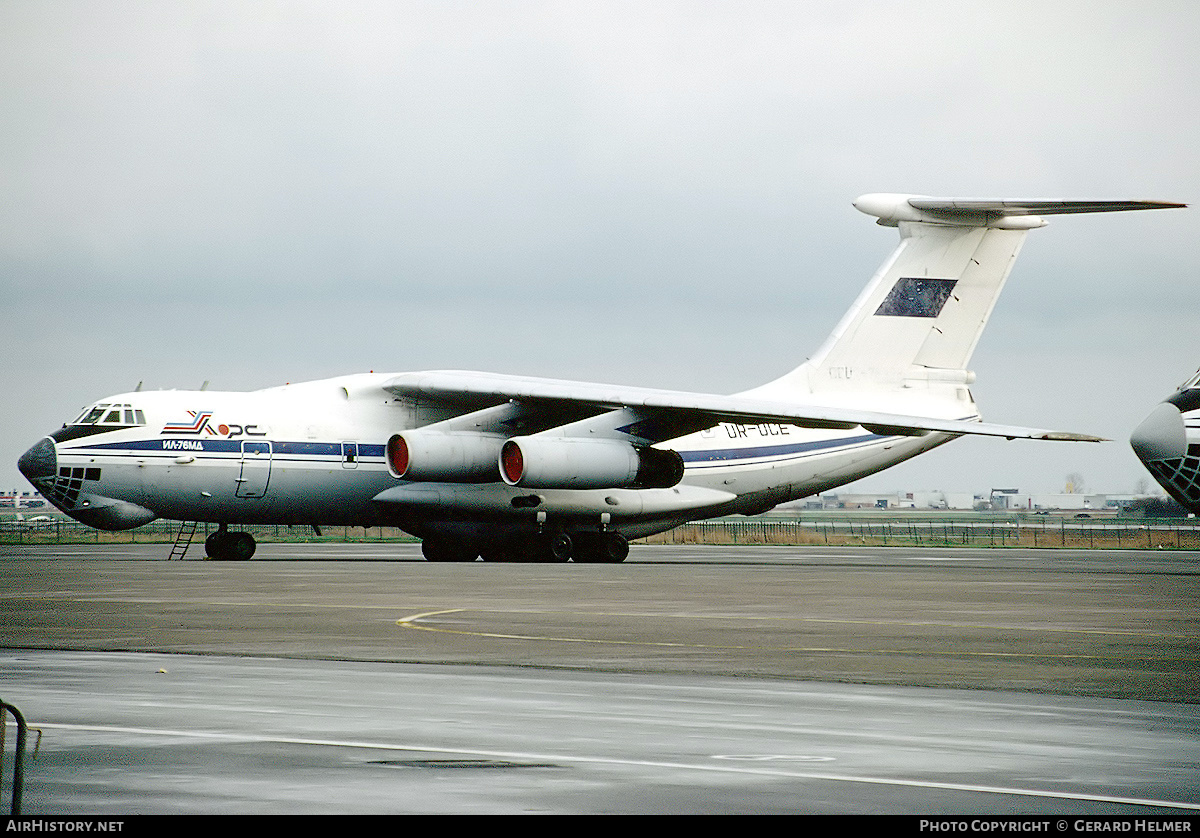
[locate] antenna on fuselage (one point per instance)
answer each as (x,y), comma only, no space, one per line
(203,386)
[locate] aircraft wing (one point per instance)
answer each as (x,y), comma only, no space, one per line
(666,414)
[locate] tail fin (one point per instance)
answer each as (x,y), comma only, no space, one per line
(920,317)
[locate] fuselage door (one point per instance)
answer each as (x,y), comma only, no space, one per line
(256,469)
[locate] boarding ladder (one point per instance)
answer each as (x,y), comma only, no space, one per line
(182,541)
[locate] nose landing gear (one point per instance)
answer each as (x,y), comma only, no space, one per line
(224,545)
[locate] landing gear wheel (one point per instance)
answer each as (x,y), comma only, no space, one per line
(615,548)
(447,550)
(224,545)
(213,544)
(241,546)
(556,547)
(601,548)
(510,551)
(561,547)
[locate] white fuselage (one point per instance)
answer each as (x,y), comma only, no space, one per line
(315,453)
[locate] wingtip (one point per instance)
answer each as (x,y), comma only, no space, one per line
(1063,436)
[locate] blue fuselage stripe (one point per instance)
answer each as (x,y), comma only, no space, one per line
(283,450)
(226,446)
(792,449)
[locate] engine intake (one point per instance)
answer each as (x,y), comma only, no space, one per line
(578,463)
(444,457)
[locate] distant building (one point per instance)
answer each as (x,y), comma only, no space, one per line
(21,500)
(1004,500)
(894,500)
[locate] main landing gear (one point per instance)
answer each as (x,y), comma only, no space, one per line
(590,547)
(600,547)
(224,545)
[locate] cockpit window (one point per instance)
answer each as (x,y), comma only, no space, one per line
(101,418)
(111,414)
(1192,382)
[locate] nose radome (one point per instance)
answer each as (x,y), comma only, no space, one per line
(40,461)
(1161,436)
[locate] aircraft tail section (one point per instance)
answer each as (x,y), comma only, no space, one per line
(919,319)
(925,308)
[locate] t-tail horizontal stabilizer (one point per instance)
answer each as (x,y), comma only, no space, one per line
(891,209)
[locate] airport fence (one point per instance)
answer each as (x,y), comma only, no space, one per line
(63,531)
(1098,533)
(866,529)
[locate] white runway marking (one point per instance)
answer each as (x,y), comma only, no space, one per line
(723,764)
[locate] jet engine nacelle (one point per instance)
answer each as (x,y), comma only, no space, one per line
(536,462)
(444,457)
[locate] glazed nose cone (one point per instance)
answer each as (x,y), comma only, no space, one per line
(1161,436)
(40,461)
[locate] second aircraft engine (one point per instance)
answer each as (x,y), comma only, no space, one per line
(536,462)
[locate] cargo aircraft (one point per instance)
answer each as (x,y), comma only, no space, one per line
(1168,444)
(512,468)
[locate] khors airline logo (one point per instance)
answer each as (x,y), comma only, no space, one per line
(200,424)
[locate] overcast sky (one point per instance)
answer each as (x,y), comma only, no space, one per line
(650,193)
